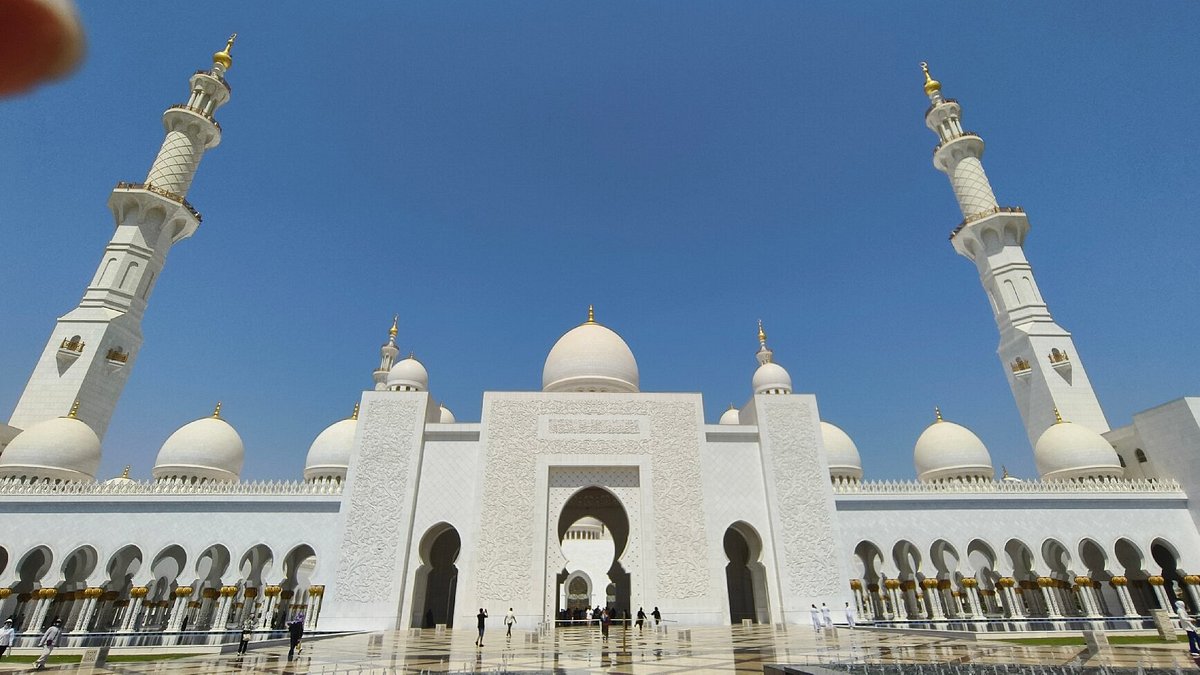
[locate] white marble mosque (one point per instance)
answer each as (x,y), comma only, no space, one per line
(596,492)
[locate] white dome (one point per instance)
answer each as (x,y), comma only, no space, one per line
(1066,451)
(59,449)
(771,378)
(841,453)
(445,416)
(947,451)
(207,449)
(731,416)
(408,375)
(329,455)
(590,357)
(123,479)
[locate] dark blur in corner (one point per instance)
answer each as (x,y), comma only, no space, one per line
(40,40)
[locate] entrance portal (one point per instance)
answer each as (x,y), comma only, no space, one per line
(593,530)
(745,576)
(437,577)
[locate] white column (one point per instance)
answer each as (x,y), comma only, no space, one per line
(1160,592)
(1016,608)
(183,595)
(933,597)
(223,606)
(90,596)
(1045,584)
(131,612)
(1123,593)
(974,601)
(1193,589)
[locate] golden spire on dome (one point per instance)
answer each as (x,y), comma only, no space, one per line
(1057,416)
(125,473)
(931,85)
(762,335)
(1004,470)
(354,415)
(224,57)
(937,412)
(395,326)
(591,314)
(74,414)
(217,411)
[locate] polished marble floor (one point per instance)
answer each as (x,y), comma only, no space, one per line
(580,650)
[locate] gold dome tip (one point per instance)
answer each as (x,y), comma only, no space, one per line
(125,473)
(74,414)
(217,411)
(931,85)
(224,57)
(1058,416)
(937,413)
(354,415)
(395,325)
(762,335)
(591,314)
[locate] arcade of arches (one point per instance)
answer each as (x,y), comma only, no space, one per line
(133,592)
(1018,581)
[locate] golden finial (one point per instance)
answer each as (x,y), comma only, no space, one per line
(931,85)
(125,473)
(591,314)
(937,412)
(224,57)
(74,410)
(395,326)
(732,406)
(762,335)
(217,411)
(412,355)
(1057,417)
(354,415)
(1004,470)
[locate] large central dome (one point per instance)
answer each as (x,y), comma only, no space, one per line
(590,357)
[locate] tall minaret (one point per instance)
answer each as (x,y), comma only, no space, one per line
(94,346)
(1040,360)
(387,355)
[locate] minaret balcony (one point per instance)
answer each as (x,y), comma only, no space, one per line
(1059,360)
(196,111)
(1021,367)
(976,217)
(948,153)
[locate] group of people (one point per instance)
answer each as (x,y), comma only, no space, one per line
(822,617)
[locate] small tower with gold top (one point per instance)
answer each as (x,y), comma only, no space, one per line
(387,355)
(93,347)
(1038,356)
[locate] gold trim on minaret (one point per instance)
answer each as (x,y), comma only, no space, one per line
(591,314)
(931,85)
(354,415)
(395,326)
(1058,417)
(217,411)
(762,335)
(224,57)
(74,414)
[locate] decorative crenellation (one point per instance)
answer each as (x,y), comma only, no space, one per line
(1105,485)
(15,486)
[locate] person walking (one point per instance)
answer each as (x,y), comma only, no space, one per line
(826,616)
(48,642)
(7,635)
(247,633)
(657,617)
(851,615)
(605,622)
(510,619)
(641,619)
(588,615)
(480,618)
(295,632)
(1189,625)
(815,615)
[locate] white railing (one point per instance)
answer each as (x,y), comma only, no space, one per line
(14,486)
(1111,486)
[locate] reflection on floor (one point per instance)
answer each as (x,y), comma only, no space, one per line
(581,650)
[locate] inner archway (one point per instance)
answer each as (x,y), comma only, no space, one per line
(594,508)
(745,576)
(437,578)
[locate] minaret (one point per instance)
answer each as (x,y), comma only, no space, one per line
(387,355)
(93,347)
(1039,357)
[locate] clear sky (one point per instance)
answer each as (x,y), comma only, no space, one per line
(487,170)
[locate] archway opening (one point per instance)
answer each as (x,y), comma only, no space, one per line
(436,585)
(594,528)
(745,577)
(1164,554)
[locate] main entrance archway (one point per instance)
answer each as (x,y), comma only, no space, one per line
(437,578)
(745,576)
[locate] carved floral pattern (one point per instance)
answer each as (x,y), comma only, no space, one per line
(374,518)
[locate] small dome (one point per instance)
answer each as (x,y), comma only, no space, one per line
(58,449)
(731,416)
(329,454)
(444,415)
(948,451)
(590,357)
(841,453)
(207,449)
(123,479)
(771,378)
(408,375)
(1067,451)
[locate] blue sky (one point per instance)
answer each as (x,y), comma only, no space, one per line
(487,170)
